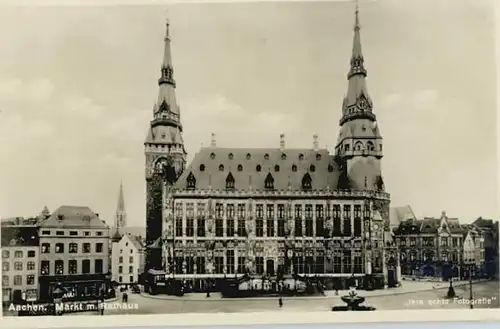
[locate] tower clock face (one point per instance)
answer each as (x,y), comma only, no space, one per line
(376,226)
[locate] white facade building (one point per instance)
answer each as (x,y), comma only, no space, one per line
(127,259)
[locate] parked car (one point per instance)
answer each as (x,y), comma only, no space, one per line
(135,289)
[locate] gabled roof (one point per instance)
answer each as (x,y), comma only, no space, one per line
(211,166)
(74,217)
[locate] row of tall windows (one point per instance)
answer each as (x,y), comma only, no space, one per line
(72,267)
(345,221)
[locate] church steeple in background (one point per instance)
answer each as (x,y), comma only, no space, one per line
(121,214)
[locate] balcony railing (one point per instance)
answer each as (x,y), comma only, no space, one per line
(282,193)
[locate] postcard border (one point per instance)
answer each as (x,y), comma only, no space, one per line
(261,318)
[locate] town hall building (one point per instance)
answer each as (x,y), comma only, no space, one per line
(269,212)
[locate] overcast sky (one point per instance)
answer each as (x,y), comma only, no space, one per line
(78,84)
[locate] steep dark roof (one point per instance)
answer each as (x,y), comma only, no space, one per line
(408,227)
(430,225)
(211,167)
(19,235)
(116,236)
(74,217)
(482,222)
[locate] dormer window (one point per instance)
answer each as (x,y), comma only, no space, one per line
(301,156)
(318,157)
(249,156)
(258,168)
(276,168)
(306,182)
(370,146)
(269,182)
(191,181)
(283,156)
(212,155)
(230,156)
(240,167)
(312,168)
(229,181)
(266,156)
(359,146)
(294,168)
(202,167)
(221,167)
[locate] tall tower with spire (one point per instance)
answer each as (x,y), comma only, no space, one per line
(165,153)
(359,145)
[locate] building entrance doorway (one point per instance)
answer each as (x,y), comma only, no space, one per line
(270,267)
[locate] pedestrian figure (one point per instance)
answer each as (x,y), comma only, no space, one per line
(124,297)
(280,302)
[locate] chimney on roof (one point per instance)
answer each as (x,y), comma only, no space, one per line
(443,213)
(282,142)
(315,142)
(213,141)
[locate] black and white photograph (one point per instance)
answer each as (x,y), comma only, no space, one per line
(241,157)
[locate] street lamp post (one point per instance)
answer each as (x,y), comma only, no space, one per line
(471,297)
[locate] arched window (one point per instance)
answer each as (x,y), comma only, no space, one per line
(230,156)
(269,182)
(370,146)
(258,168)
(283,156)
(358,146)
(306,182)
(318,156)
(191,181)
(294,168)
(221,167)
(202,167)
(249,156)
(312,168)
(230,181)
(240,167)
(212,155)
(276,168)
(301,156)
(266,156)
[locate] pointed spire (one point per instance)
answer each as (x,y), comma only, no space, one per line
(121,215)
(167,102)
(357,103)
(121,199)
(357,55)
